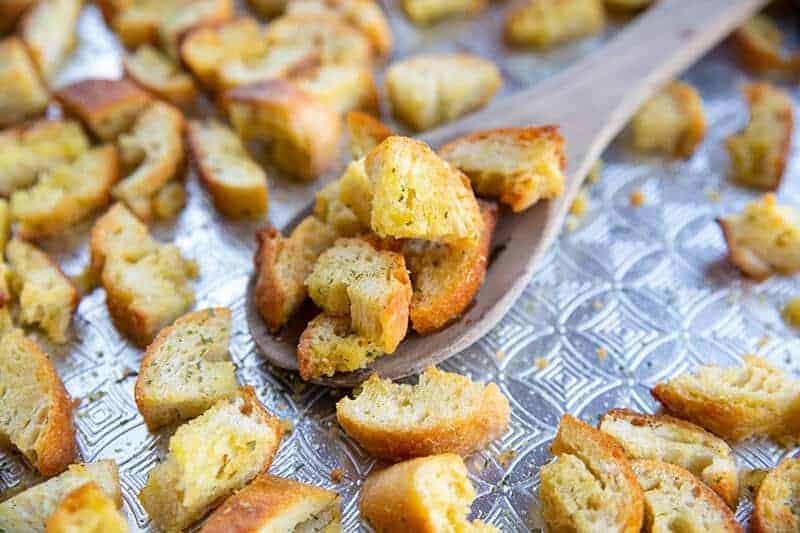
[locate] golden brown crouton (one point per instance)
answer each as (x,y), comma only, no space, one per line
(332,39)
(519,166)
(87,509)
(136,21)
(329,207)
(169,200)
(758,44)
(107,107)
(366,132)
(428,11)
(159,74)
(758,152)
(543,23)
(431,89)
(48,30)
(11,11)
(22,94)
(329,345)
(672,121)
(764,239)
(342,87)
(778,499)
(183,15)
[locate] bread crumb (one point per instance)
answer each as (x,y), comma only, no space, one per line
(601,353)
(500,355)
(541,363)
(714,195)
(637,198)
(506,457)
(581,203)
(336,475)
(791,312)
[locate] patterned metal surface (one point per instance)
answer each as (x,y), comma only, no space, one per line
(628,297)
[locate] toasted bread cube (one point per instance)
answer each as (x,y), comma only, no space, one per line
(432,89)
(519,166)
(116,233)
(159,74)
(428,11)
(543,23)
(426,494)
(330,208)
(366,132)
(371,286)
(26,151)
(443,413)
(283,264)
(418,195)
(758,44)
(342,87)
(672,495)
(364,15)
(355,191)
(29,510)
(11,11)
(136,21)
(446,279)
(758,152)
(87,509)
(186,369)
(187,14)
(764,239)
(776,502)
(210,458)
(737,402)
(48,30)
(107,107)
(22,94)
(329,345)
(238,185)
(675,441)
(333,39)
(66,194)
(284,61)
(672,121)
(590,486)
(302,131)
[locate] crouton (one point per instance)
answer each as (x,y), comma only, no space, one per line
(418,195)
(302,132)
(668,439)
(428,11)
(136,22)
(283,264)
(672,121)
(238,185)
(48,30)
(333,40)
(519,166)
(37,413)
(26,151)
(11,11)
(446,279)
(329,345)
(776,502)
(169,200)
(590,486)
(210,458)
(22,94)
(187,14)
(425,494)
(756,399)
(366,132)
(355,191)
(107,107)
(66,194)
(543,23)
(186,369)
(758,45)
(672,495)
(274,62)
(273,504)
(159,74)
(431,89)
(758,152)
(443,413)
(342,87)
(329,208)
(764,239)
(87,509)
(29,510)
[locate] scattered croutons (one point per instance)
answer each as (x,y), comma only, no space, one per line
(210,458)
(776,502)
(366,132)
(342,87)
(22,95)
(159,74)
(238,185)
(519,166)
(758,45)
(329,345)
(672,121)
(332,39)
(543,23)
(48,31)
(364,15)
(431,89)
(764,239)
(758,152)
(87,507)
(428,11)
(329,207)
(756,399)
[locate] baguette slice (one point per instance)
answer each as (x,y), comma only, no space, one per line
(23,94)
(210,458)
(186,369)
(28,511)
(443,413)
(48,30)
(543,23)
(672,121)
(270,504)
(329,345)
(675,441)
(778,500)
(366,132)
(87,509)
(159,74)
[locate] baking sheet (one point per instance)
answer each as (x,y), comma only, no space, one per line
(627,298)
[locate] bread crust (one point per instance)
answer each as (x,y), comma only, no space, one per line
(366,132)
(24,94)
(741,257)
(752,42)
(87,501)
(776,499)
(271,295)
(173,85)
(11,11)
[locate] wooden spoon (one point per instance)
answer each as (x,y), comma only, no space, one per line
(591,102)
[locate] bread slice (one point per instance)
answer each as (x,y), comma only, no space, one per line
(430,89)
(329,345)
(210,458)
(283,264)
(10,13)
(777,499)
(366,132)
(329,207)
(238,185)
(672,121)
(87,509)
(758,45)
(66,194)
(590,486)
(47,298)
(332,39)
(429,11)
(160,74)
(543,23)
(418,195)
(759,152)
(183,15)
(107,107)
(23,95)
(270,504)
(426,494)
(675,441)
(519,166)
(764,239)
(48,30)
(29,510)
(342,87)
(736,402)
